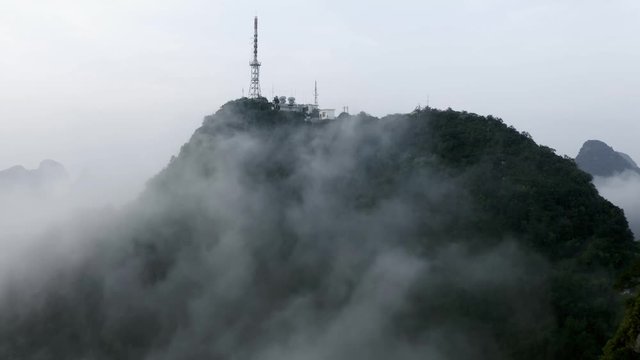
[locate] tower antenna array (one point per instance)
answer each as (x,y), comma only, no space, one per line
(254,88)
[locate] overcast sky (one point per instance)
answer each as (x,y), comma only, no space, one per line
(115,87)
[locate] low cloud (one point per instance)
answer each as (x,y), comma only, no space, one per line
(286,243)
(623,190)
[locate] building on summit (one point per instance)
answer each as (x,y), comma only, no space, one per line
(312,111)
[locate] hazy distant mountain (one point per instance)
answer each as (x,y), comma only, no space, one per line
(629,159)
(599,159)
(50,177)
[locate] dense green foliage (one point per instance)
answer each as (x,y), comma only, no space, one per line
(549,203)
(625,344)
(266,226)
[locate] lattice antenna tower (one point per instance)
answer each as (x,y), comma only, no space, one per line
(254,88)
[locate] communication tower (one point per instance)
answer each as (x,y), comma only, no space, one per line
(254,88)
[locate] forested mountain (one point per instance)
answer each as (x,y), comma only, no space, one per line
(429,235)
(616,177)
(599,159)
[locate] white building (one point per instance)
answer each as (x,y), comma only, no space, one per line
(327,114)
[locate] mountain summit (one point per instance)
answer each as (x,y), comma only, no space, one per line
(599,159)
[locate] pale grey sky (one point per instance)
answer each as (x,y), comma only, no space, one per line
(115,87)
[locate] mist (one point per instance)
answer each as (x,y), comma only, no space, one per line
(284,243)
(624,191)
(35,201)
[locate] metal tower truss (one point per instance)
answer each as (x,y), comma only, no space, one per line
(254,88)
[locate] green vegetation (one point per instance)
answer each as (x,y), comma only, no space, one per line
(625,344)
(545,201)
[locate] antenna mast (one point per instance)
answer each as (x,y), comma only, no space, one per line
(254,88)
(315,94)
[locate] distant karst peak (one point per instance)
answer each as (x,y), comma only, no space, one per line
(599,159)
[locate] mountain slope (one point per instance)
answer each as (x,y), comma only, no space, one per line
(435,234)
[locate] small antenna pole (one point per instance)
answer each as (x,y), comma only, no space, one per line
(315,94)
